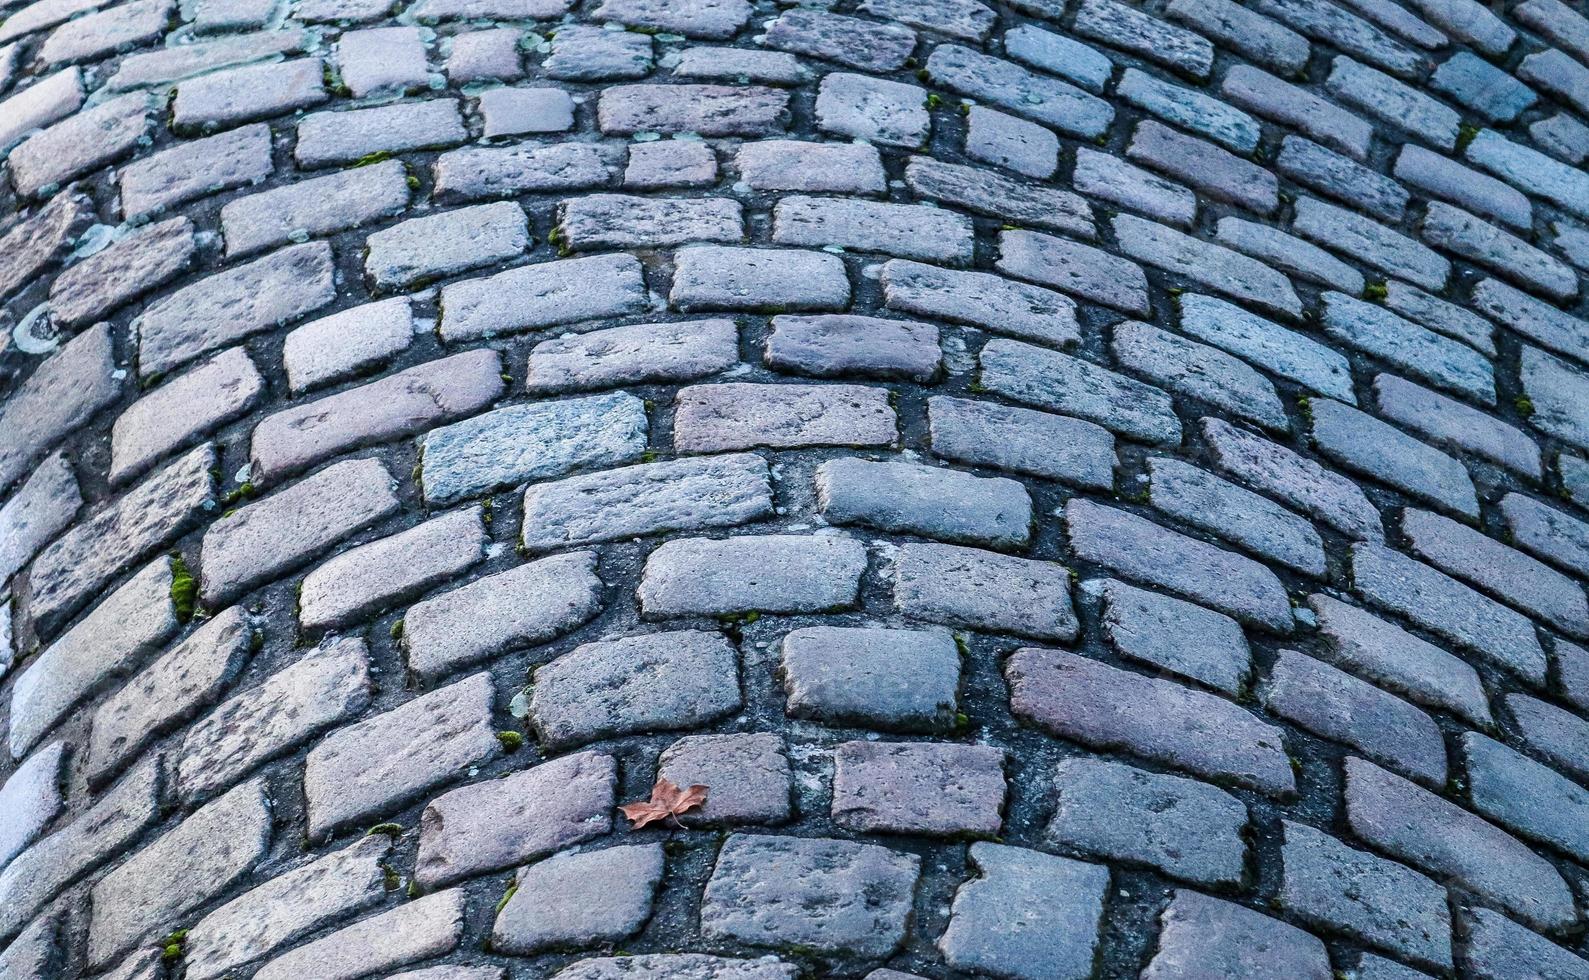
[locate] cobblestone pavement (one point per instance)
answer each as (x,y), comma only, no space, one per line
(1093,489)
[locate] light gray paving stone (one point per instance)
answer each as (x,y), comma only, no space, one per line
(381,60)
(792,573)
(1327,172)
(797,165)
(1364,444)
(1020,440)
(1040,98)
(1448,609)
(1499,948)
(1433,357)
(1218,940)
(418,930)
(1288,105)
(530,441)
(836,896)
(143,261)
(1261,39)
(1295,479)
(228,306)
(839,345)
(586,53)
(652,498)
(1059,55)
(37,17)
(33,952)
(1395,659)
(1524,796)
(580,898)
(908,231)
(737,415)
(271,537)
(42,507)
(1373,967)
(730,64)
(927,788)
(218,16)
(1465,235)
(346,343)
(444,244)
(1470,21)
(1546,532)
(714,19)
(475,172)
(349,136)
(1559,22)
(370,577)
(182,410)
(320,206)
(965,19)
(1184,828)
(1369,243)
(181,61)
(1190,109)
(127,625)
(1210,265)
(1444,178)
(865,45)
(606,221)
(1535,319)
(1015,144)
(80,563)
(44,870)
(48,100)
(707,110)
(401,404)
(1146,552)
(1216,172)
(1397,105)
(247,93)
(1337,706)
(523,606)
(66,390)
(716,277)
(491,54)
(31,797)
(982,300)
(1574,476)
(1441,316)
(1267,344)
(1558,735)
(1531,171)
(673,163)
(1078,698)
(1484,562)
(873,109)
(647,683)
(1072,386)
(268,917)
(1060,933)
(1131,30)
(116,28)
(644,352)
(1263,527)
(1174,635)
(33,244)
(432,11)
(79,144)
(908,498)
(380,764)
(1558,74)
(956,586)
(681,966)
(172,689)
(1111,179)
(748,775)
(869,677)
(321,688)
(192,169)
(1572,242)
(1562,136)
(1198,371)
(520,817)
(542,295)
(201,858)
(1334,26)
(995,195)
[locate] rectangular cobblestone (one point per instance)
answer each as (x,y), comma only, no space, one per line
(1132,30)
(980,299)
(96,35)
(1078,698)
(142,261)
(843,345)
(1441,316)
(40,104)
(1267,344)
(1210,265)
(1190,109)
(192,169)
(1342,178)
(1334,26)
(1061,936)
(67,389)
(1531,172)
(475,172)
(1547,533)
(707,110)
(542,295)
(41,508)
(652,498)
(715,277)
(1482,87)
(1299,481)
(906,498)
(32,244)
(1040,98)
(418,930)
(31,797)
(918,788)
(1544,323)
(531,441)
(857,677)
(1076,268)
(994,195)
(1470,21)
(345,343)
(229,306)
(1393,103)
(179,411)
(1173,635)
(1289,254)
(1072,386)
(1434,358)
(1216,172)
(1287,105)
(1528,798)
(79,144)
(1020,440)
(181,61)
(873,109)
(957,586)
(737,415)
(1364,444)
(238,95)
(1261,526)
(1264,40)
(909,231)
(1370,243)
(597,222)
(797,165)
(1463,234)
(321,688)
(728,64)
(327,138)
(1057,54)
(1498,947)
(700,576)
(1440,176)
(1445,421)
(865,45)
(1198,371)
(438,245)
(643,352)
(1111,179)
(319,206)
(370,577)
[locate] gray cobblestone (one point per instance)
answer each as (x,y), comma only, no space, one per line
(925,500)
(995,195)
(476,172)
(796,165)
(32,798)
(1247,31)
(1283,103)
(1081,269)
(350,136)
(982,300)
(580,898)
(701,576)
(1296,479)
(66,390)
(701,18)
(1448,422)
(735,415)
(864,45)
(714,277)
(1444,178)
(908,231)
(586,53)
(238,95)
(40,104)
(918,788)
(1440,316)
(541,295)
(1060,931)
(675,163)
(1467,236)
(1261,526)
(1219,940)
(80,144)
(1497,947)
(426,927)
(345,343)
(314,207)
(653,352)
(1556,734)
(1037,97)
(1267,344)
(1059,55)
(145,260)
(1342,178)
(1072,386)
(1198,371)
(1205,263)
(1015,144)
(192,170)
(709,110)
(889,679)
(1216,172)
(1110,179)
(1362,443)
(1524,796)
(181,410)
(838,346)
(1174,635)
(445,244)
(367,578)
(749,772)
(42,507)
(1370,243)
(1131,30)
(1020,440)
(1423,353)
(606,221)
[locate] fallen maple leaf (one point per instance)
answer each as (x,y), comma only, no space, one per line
(667,801)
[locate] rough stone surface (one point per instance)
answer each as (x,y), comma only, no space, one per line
(1056,936)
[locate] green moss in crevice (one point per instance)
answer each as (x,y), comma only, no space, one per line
(511,741)
(184,588)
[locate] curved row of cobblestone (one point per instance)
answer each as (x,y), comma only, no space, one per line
(1094,489)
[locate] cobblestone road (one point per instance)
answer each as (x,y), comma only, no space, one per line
(1093,489)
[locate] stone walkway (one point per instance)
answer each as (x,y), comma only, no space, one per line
(1091,488)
